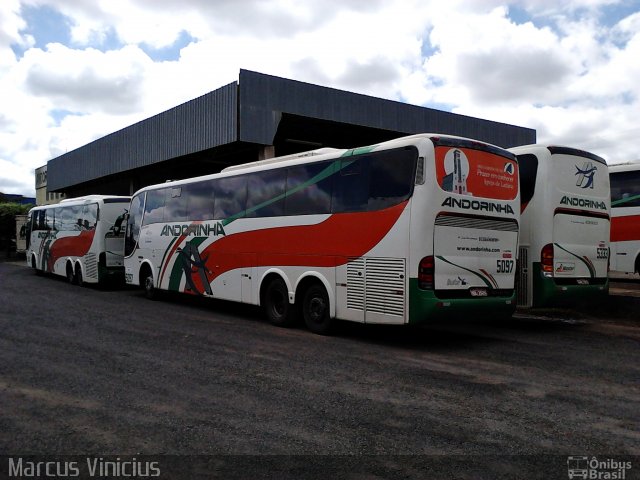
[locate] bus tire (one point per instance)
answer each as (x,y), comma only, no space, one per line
(78,276)
(276,303)
(637,265)
(71,276)
(147,284)
(34,265)
(316,310)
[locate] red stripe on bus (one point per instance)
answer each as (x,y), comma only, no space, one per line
(625,228)
(326,244)
(74,246)
(173,250)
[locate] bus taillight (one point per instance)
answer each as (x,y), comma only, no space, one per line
(425,273)
(546,257)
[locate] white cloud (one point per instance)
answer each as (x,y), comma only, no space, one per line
(556,67)
(87,80)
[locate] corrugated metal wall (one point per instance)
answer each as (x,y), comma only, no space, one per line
(250,111)
(263,98)
(200,124)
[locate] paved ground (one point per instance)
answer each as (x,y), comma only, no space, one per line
(88,371)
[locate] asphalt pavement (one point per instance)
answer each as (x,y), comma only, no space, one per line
(88,371)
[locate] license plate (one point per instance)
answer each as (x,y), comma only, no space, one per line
(478,292)
(583,281)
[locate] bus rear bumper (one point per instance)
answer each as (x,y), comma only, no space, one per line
(549,292)
(426,307)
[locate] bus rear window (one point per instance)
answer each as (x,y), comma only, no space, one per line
(476,173)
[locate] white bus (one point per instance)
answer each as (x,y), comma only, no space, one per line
(564,231)
(406,231)
(625,217)
(80,238)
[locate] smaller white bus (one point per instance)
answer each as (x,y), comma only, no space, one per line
(625,217)
(565,222)
(79,238)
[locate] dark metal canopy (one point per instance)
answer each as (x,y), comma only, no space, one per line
(260,115)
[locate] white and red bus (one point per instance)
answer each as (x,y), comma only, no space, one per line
(80,238)
(564,230)
(406,231)
(625,217)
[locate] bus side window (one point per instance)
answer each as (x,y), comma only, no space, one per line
(265,193)
(89,216)
(175,208)
(391,177)
(48,219)
(351,187)
(230,197)
(133,225)
(67,217)
(309,188)
(29,226)
(200,198)
(38,220)
(154,206)
(528,170)
(625,189)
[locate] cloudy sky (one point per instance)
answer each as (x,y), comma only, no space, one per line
(72,71)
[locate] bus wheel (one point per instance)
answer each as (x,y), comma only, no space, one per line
(276,303)
(34,266)
(71,277)
(315,310)
(78,276)
(147,283)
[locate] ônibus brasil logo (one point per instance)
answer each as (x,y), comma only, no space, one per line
(594,468)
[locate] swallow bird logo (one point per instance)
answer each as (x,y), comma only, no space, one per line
(585,175)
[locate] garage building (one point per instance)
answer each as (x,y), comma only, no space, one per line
(257,117)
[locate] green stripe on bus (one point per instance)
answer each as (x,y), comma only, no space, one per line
(327,172)
(176,271)
(622,201)
(485,280)
(590,267)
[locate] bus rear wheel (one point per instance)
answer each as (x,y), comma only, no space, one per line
(78,276)
(71,276)
(35,266)
(315,310)
(276,303)
(148,285)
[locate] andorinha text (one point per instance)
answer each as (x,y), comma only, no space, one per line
(193,229)
(479,205)
(583,202)
(93,467)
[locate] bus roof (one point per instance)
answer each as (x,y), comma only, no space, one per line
(270,161)
(85,199)
(321,154)
(625,167)
(558,150)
